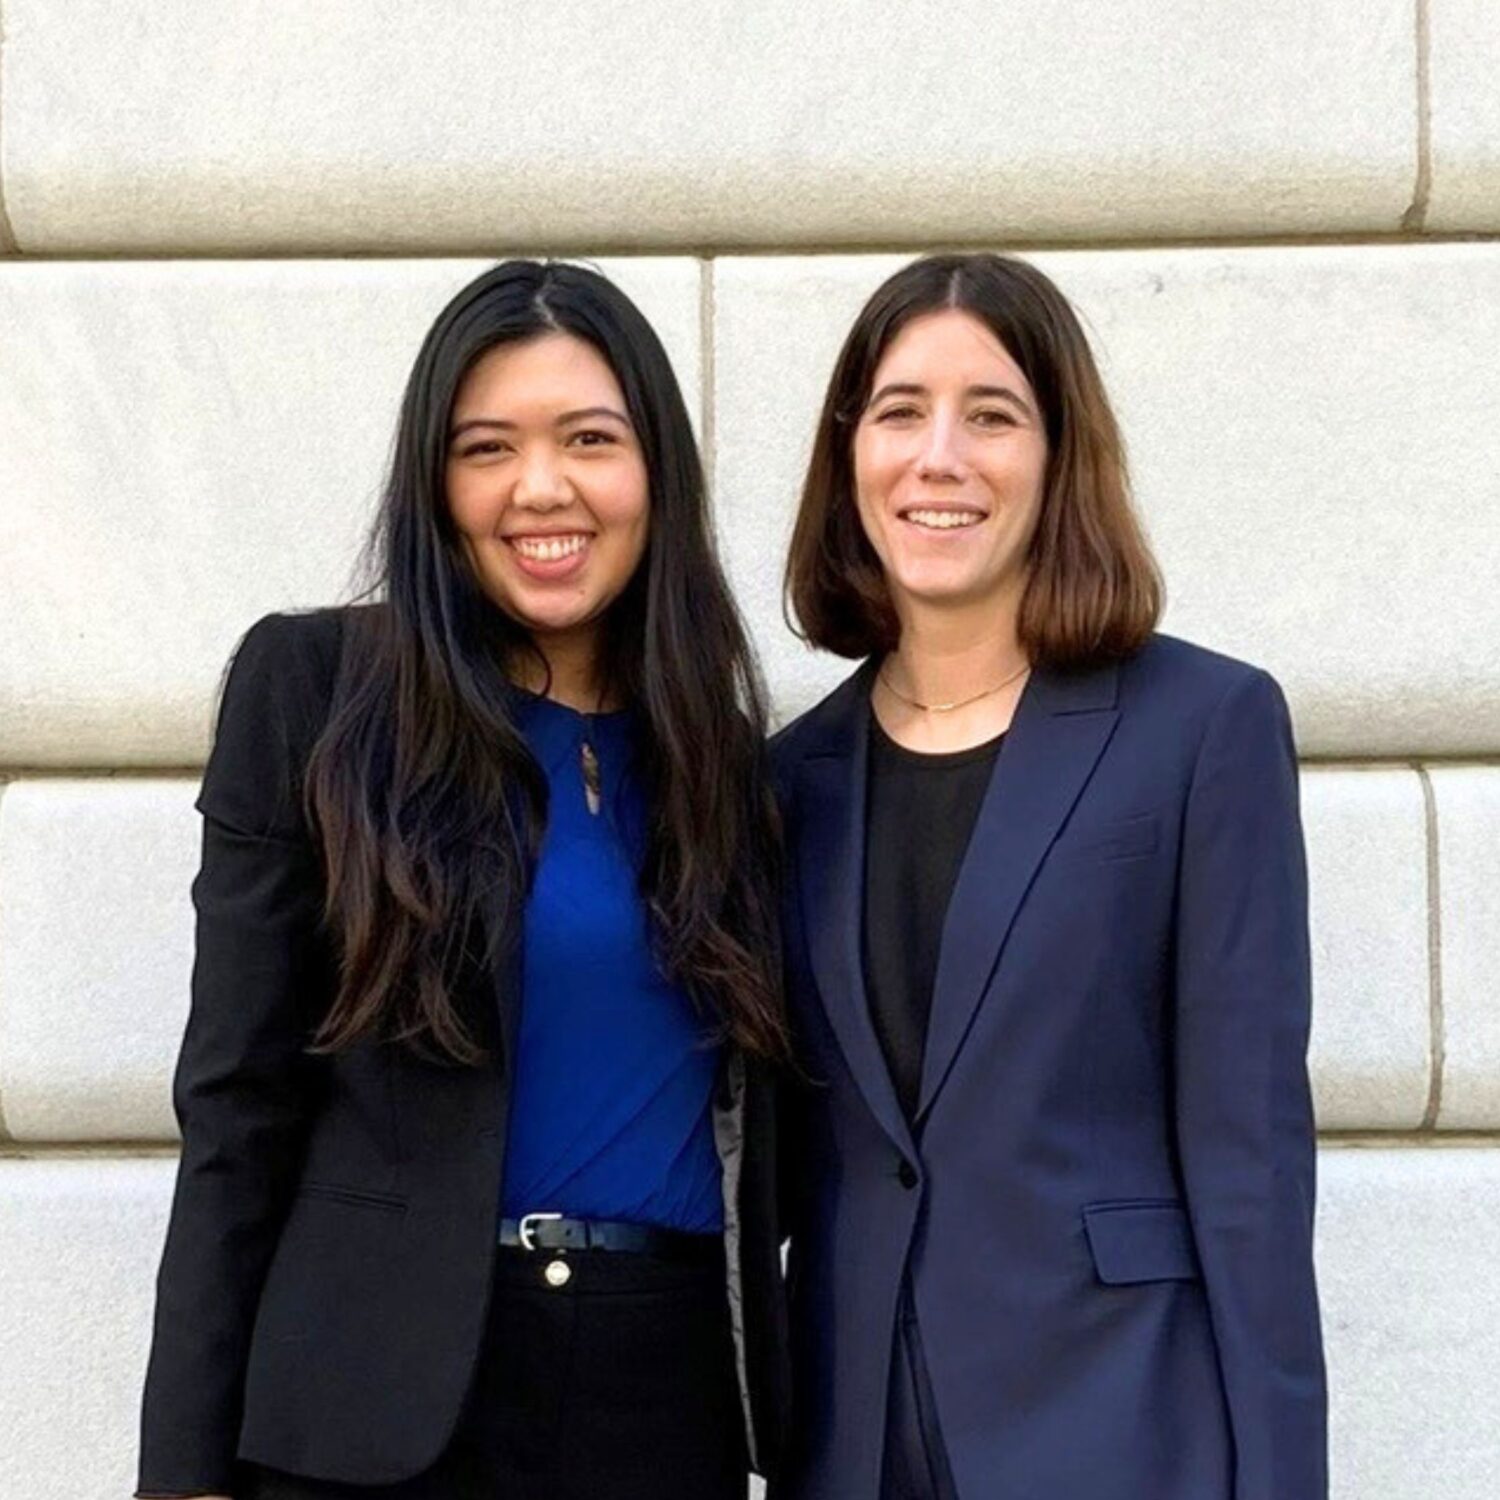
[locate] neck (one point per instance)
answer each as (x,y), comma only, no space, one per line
(946,656)
(951,656)
(572,673)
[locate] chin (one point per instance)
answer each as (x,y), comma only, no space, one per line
(555,617)
(552,622)
(934,586)
(541,616)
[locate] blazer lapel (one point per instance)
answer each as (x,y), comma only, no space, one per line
(831,866)
(1060,729)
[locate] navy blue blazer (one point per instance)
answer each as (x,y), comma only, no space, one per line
(1106,1196)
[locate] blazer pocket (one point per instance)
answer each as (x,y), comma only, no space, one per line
(355,1197)
(1141,1240)
(1124,838)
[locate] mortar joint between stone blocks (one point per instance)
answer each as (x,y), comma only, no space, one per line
(1437,1043)
(5,1135)
(1414,220)
(9,245)
(1383,235)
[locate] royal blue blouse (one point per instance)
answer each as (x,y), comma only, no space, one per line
(614,1077)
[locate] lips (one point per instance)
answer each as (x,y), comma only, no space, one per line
(550,548)
(941,518)
(558,555)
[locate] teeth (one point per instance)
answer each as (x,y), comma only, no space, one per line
(943,520)
(549,549)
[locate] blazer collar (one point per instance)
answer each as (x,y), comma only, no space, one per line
(842,717)
(1061,726)
(1060,729)
(833,777)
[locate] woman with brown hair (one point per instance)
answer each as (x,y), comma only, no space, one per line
(1047,948)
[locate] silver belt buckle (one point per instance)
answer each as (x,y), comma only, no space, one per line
(527,1223)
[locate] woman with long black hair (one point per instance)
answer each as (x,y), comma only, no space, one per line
(475,1196)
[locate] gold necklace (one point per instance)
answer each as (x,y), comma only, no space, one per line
(948,708)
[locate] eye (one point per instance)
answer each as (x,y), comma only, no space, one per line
(592,437)
(994,416)
(899,413)
(482,448)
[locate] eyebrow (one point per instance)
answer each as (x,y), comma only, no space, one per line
(907,388)
(563,420)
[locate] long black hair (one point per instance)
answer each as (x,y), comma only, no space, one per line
(428,803)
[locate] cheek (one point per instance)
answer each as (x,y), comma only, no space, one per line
(1017,479)
(470,505)
(623,504)
(876,463)
(867,508)
(630,537)
(874,475)
(1032,465)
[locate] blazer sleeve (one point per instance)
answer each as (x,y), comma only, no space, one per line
(244,1089)
(1245,1129)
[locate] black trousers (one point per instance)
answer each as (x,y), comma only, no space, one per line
(617,1385)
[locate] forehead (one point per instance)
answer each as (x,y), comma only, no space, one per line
(556,370)
(948,345)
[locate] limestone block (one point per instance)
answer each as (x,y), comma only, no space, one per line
(96,931)
(186,445)
(1464,52)
(1406,1267)
(679,123)
(78,1265)
(1409,1280)
(1468,821)
(1367,879)
(1310,431)
(96,952)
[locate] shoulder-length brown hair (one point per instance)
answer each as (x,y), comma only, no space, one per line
(1094,590)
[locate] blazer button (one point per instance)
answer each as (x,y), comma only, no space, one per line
(906,1175)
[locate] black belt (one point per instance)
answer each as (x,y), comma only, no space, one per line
(555,1232)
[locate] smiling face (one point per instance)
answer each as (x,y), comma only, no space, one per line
(547,483)
(950,460)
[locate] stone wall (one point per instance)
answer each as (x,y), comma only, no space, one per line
(224,229)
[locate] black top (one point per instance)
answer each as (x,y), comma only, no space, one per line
(918,819)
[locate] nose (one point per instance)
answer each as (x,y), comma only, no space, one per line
(941,457)
(541,483)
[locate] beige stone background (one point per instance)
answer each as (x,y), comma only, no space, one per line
(224,228)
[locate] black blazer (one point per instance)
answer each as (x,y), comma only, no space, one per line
(324,1283)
